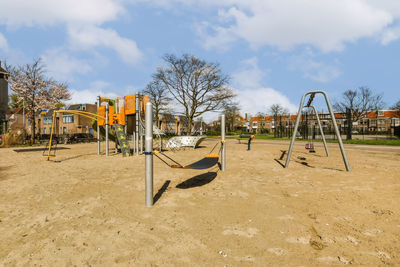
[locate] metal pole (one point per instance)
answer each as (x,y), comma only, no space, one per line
(107,129)
(133,142)
(346,162)
(223,159)
(137,126)
(295,131)
(98,127)
(320,129)
(149,154)
(141,126)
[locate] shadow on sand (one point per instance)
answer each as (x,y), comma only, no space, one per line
(161,191)
(198,180)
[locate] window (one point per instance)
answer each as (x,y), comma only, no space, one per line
(395,121)
(381,113)
(47,119)
(381,121)
(69,118)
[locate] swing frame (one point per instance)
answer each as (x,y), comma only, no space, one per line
(332,115)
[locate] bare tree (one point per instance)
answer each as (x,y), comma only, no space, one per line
(231,109)
(396,106)
(196,85)
(38,92)
(276,110)
(357,103)
(159,97)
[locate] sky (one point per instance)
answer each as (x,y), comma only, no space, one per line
(274,51)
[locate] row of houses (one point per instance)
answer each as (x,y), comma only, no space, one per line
(67,124)
(372,121)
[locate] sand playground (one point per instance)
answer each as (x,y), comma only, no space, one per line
(82,209)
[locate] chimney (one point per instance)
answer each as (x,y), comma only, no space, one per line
(245,116)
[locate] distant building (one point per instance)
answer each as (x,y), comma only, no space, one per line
(172,124)
(65,123)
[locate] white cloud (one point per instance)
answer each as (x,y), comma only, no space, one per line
(92,36)
(313,69)
(3,42)
(250,76)
(253,97)
(325,24)
(89,95)
(259,100)
(62,66)
(390,35)
(49,12)
(82,19)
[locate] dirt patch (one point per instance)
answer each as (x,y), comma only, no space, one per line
(86,209)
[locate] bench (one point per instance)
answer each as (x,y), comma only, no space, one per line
(244,137)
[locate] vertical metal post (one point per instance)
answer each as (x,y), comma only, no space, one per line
(223,159)
(346,162)
(149,154)
(140,126)
(321,130)
(107,107)
(98,127)
(137,126)
(295,131)
(133,142)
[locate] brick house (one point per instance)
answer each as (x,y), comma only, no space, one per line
(378,121)
(172,124)
(65,123)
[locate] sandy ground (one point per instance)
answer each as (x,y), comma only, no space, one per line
(88,210)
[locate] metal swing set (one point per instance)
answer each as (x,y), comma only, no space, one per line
(332,116)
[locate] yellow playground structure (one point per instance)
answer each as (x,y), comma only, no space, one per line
(122,113)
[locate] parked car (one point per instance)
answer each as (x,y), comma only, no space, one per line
(79,138)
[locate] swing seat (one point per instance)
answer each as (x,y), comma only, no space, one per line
(309,146)
(205,163)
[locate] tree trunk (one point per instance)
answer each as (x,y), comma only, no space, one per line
(189,126)
(33,124)
(349,123)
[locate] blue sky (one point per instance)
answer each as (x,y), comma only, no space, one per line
(273,50)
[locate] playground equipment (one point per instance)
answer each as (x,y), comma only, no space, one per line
(184,141)
(310,144)
(205,163)
(332,116)
(126,117)
(52,144)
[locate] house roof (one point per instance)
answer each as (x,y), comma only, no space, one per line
(386,114)
(255,118)
(16,111)
(240,117)
(3,70)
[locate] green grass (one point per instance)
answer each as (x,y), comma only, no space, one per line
(383,142)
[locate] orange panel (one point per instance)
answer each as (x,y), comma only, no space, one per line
(110,115)
(130,104)
(101,111)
